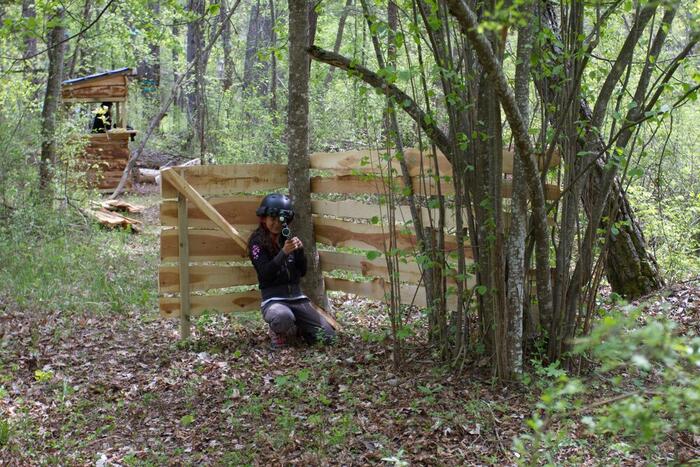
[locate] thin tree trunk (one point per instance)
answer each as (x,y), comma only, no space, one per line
(150,65)
(256,71)
(338,41)
(489,61)
(298,142)
(195,92)
(155,121)
(273,57)
(77,52)
(515,244)
(29,12)
(226,44)
(48,114)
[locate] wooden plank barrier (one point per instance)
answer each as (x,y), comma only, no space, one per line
(208,213)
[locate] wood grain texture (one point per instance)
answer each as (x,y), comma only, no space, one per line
(374,161)
(195,198)
(336,232)
(425,186)
(238,210)
(336,261)
(211,180)
(205,245)
(204,278)
(378,290)
(228,303)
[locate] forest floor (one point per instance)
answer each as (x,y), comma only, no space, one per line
(107,384)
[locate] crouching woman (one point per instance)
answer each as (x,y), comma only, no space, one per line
(280,263)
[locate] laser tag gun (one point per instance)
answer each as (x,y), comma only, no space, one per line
(285,218)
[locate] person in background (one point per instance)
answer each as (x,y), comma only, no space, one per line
(280,263)
(103,118)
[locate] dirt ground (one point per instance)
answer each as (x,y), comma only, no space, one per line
(101,389)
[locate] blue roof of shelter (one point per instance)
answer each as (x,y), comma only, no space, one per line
(118,71)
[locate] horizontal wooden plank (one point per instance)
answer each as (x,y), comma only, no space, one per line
(238,210)
(97,81)
(70,100)
(361,184)
(374,161)
(213,245)
(336,232)
(408,271)
(337,261)
(108,93)
(205,245)
(207,277)
(378,289)
(229,303)
(211,180)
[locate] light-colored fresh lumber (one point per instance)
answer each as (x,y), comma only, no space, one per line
(337,261)
(183,267)
(148,176)
(113,220)
(205,277)
(205,245)
(121,205)
(336,232)
(373,161)
(229,303)
(212,180)
(426,186)
(186,189)
(378,289)
(238,210)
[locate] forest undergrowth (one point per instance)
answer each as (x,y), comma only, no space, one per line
(90,375)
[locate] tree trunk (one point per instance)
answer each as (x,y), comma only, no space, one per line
(77,51)
(48,114)
(298,141)
(150,65)
(29,12)
(338,41)
(273,65)
(226,44)
(195,91)
(631,268)
(256,70)
(515,243)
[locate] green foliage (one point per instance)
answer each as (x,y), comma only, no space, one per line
(653,374)
(52,260)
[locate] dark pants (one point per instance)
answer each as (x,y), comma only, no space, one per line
(283,317)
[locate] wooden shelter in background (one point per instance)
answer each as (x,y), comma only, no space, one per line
(106,154)
(208,212)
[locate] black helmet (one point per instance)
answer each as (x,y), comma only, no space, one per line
(276,205)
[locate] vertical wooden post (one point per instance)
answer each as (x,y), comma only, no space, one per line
(184,266)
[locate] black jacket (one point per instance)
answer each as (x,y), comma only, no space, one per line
(278,275)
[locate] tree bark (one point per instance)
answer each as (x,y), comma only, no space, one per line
(338,41)
(489,61)
(298,142)
(631,268)
(255,70)
(226,45)
(195,92)
(150,65)
(29,12)
(77,51)
(515,243)
(48,114)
